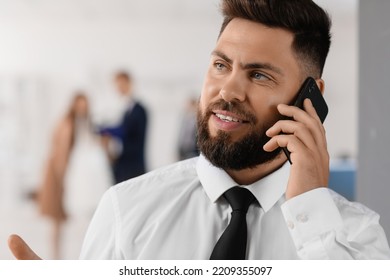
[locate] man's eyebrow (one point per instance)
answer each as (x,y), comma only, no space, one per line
(222,55)
(266,66)
(255,65)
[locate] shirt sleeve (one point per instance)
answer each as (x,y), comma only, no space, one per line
(324,225)
(100,241)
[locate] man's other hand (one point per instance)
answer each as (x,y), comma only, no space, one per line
(20,249)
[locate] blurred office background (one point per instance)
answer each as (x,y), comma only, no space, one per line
(48,49)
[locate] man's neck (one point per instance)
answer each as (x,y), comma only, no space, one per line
(250,175)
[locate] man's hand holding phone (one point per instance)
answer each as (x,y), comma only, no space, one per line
(303,135)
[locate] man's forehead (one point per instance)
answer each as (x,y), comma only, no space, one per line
(252,42)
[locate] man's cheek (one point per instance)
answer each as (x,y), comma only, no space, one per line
(202,104)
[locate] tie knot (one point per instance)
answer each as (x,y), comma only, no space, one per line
(239,198)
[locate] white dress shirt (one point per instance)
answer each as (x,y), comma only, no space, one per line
(178,212)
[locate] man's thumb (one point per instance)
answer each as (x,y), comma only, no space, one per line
(20,249)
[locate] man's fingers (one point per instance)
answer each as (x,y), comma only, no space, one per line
(285,141)
(20,249)
(297,129)
(308,117)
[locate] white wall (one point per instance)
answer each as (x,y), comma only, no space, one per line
(341,70)
(53,55)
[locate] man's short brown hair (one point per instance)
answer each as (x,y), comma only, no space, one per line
(309,23)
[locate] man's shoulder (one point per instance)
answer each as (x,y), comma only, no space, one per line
(176,175)
(136,111)
(138,106)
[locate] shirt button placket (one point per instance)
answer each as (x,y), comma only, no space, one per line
(290,225)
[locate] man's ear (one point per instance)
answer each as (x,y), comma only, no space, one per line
(321,85)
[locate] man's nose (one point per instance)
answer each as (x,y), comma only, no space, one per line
(233,89)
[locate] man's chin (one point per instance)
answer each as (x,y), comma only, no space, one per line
(234,134)
(231,137)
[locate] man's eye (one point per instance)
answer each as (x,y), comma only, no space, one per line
(259,76)
(219,66)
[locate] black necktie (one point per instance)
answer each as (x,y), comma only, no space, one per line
(232,244)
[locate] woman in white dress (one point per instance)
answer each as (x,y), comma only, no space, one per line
(89,172)
(77,173)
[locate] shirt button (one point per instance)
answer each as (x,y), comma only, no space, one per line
(290,225)
(303,218)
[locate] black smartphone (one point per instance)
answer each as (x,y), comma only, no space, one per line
(310,90)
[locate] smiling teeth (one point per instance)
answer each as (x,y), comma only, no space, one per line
(227,118)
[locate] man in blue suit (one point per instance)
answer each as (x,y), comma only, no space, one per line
(131,133)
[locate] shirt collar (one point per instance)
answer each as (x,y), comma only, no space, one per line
(267,191)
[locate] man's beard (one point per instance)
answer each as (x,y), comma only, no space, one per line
(225,153)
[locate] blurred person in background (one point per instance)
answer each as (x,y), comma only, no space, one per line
(187,147)
(129,162)
(77,171)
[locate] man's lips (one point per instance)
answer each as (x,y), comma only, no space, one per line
(228,116)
